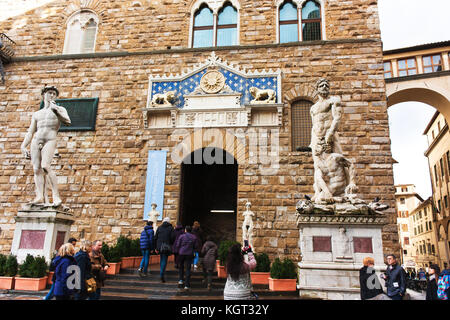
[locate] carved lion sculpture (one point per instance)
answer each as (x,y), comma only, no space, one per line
(163,99)
(263,95)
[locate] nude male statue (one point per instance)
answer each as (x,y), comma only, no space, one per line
(247,225)
(42,132)
(333,173)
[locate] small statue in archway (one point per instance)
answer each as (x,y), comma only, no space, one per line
(247,225)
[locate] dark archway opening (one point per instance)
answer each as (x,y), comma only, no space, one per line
(209,178)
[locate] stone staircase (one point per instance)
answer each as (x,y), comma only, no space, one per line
(128,285)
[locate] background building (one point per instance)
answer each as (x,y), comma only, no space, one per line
(438,154)
(423,235)
(406,200)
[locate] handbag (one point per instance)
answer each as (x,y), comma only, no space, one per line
(165,248)
(91,285)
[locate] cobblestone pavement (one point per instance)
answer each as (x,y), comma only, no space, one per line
(18,297)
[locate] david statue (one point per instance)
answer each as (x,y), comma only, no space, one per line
(41,134)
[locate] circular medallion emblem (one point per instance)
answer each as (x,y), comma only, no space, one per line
(212,81)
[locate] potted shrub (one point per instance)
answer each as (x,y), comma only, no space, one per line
(8,270)
(283,275)
(223,253)
(136,252)
(32,274)
(125,252)
(114,260)
(261,274)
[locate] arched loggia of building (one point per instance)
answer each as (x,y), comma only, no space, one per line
(425,92)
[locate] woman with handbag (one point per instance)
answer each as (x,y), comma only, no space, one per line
(99,267)
(164,240)
(87,281)
(62,263)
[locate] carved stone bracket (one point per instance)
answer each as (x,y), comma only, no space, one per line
(339,219)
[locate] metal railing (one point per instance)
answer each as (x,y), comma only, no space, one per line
(6,47)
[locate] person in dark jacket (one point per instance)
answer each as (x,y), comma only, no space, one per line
(395,278)
(50,293)
(62,262)
(432,286)
(370,285)
(164,239)
(197,231)
(185,246)
(84,262)
(147,242)
(209,254)
(178,231)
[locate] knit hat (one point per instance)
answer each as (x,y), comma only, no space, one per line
(166,219)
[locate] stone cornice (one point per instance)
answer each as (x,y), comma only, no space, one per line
(342,219)
(114,54)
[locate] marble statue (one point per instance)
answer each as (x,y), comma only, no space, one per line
(247,225)
(262,95)
(153,215)
(334,175)
(41,134)
(163,99)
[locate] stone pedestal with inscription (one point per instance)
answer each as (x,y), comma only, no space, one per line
(333,247)
(40,230)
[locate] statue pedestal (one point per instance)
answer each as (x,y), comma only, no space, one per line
(40,231)
(333,248)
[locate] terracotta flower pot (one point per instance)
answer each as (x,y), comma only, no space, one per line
(30,284)
(6,283)
(114,268)
(260,277)
(171,258)
(221,273)
(155,259)
(50,277)
(137,262)
(282,284)
(127,262)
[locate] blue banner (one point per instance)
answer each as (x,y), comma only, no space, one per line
(156,178)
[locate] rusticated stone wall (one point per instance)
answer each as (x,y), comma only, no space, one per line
(102,173)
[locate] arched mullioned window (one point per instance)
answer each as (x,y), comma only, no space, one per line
(203,33)
(81,33)
(299,20)
(227,26)
(215,23)
(301,124)
(311,21)
(288,22)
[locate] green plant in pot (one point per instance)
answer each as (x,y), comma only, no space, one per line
(283,275)
(124,246)
(11,266)
(262,262)
(8,270)
(283,270)
(32,274)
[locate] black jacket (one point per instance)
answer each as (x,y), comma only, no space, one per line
(396,280)
(369,283)
(84,262)
(432,289)
(164,234)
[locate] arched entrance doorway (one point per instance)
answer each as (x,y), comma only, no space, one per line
(209,178)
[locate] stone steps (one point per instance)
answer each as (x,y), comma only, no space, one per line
(129,285)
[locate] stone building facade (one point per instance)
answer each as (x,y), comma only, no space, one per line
(102,172)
